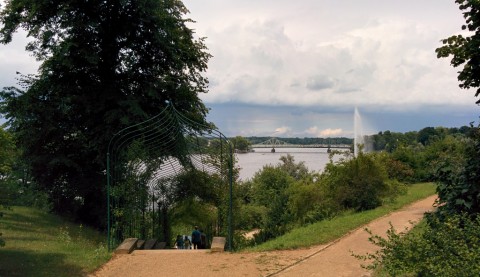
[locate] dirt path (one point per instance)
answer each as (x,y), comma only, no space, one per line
(333,259)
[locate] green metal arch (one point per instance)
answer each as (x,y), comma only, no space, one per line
(170,142)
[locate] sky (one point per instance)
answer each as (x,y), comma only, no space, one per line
(300,68)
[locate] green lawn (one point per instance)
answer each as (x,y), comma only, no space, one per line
(328,230)
(41,244)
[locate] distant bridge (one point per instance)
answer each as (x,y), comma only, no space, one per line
(276,143)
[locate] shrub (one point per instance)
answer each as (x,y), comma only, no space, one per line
(456,170)
(358,183)
(270,190)
(249,216)
(308,202)
(449,247)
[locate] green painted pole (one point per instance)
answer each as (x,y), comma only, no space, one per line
(230,211)
(108,202)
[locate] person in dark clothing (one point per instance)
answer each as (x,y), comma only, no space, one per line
(179,242)
(187,244)
(196,238)
(203,240)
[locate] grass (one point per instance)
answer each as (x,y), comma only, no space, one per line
(329,230)
(41,244)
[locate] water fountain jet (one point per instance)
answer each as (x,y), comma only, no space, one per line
(358,138)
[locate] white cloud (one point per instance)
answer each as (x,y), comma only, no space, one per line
(316,132)
(284,130)
(14,59)
(287,54)
(309,63)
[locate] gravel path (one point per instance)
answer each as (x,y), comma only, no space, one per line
(333,259)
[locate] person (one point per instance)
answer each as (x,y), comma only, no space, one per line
(179,242)
(203,240)
(186,243)
(196,238)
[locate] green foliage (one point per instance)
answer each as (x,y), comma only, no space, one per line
(7,156)
(427,135)
(398,166)
(447,247)
(358,183)
(465,50)
(387,140)
(296,170)
(287,195)
(414,140)
(105,66)
(309,202)
(250,216)
(7,153)
(456,169)
(240,143)
(325,231)
(270,190)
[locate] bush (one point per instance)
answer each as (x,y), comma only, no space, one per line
(457,170)
(308,202)
(448,247)
(359,183)
(270,187)
(249,216)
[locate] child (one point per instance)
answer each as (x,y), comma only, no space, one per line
(179,242)
(187,243)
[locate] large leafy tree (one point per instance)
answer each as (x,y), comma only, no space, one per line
(459,185)
(465,50)
(105,65)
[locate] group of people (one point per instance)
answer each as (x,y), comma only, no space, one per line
(199,240)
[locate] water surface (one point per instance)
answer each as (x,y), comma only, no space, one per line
(249,163)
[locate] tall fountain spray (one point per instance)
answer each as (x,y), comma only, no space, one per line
(358,134)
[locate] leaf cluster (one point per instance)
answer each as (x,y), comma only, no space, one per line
(465,49)
(446,247)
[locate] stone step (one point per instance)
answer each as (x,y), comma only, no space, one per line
(160,245)
(140,244)
(150,244)
(127,246)
(218,244)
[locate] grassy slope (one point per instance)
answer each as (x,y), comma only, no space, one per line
(328,230)
(41,244)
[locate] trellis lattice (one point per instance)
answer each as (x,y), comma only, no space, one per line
(145,163)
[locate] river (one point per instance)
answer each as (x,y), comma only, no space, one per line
(249,163)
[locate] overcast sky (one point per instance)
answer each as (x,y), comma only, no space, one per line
(299,68)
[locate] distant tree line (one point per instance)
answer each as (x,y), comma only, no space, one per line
(304,141)
(389,141)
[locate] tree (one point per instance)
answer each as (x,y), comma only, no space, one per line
(105,65)
(426,135)
(270,187)
(359,183)
(296,170)
(7,153)
(459,189)
(465,50)
(240,143)
(7,156)
(455,165)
